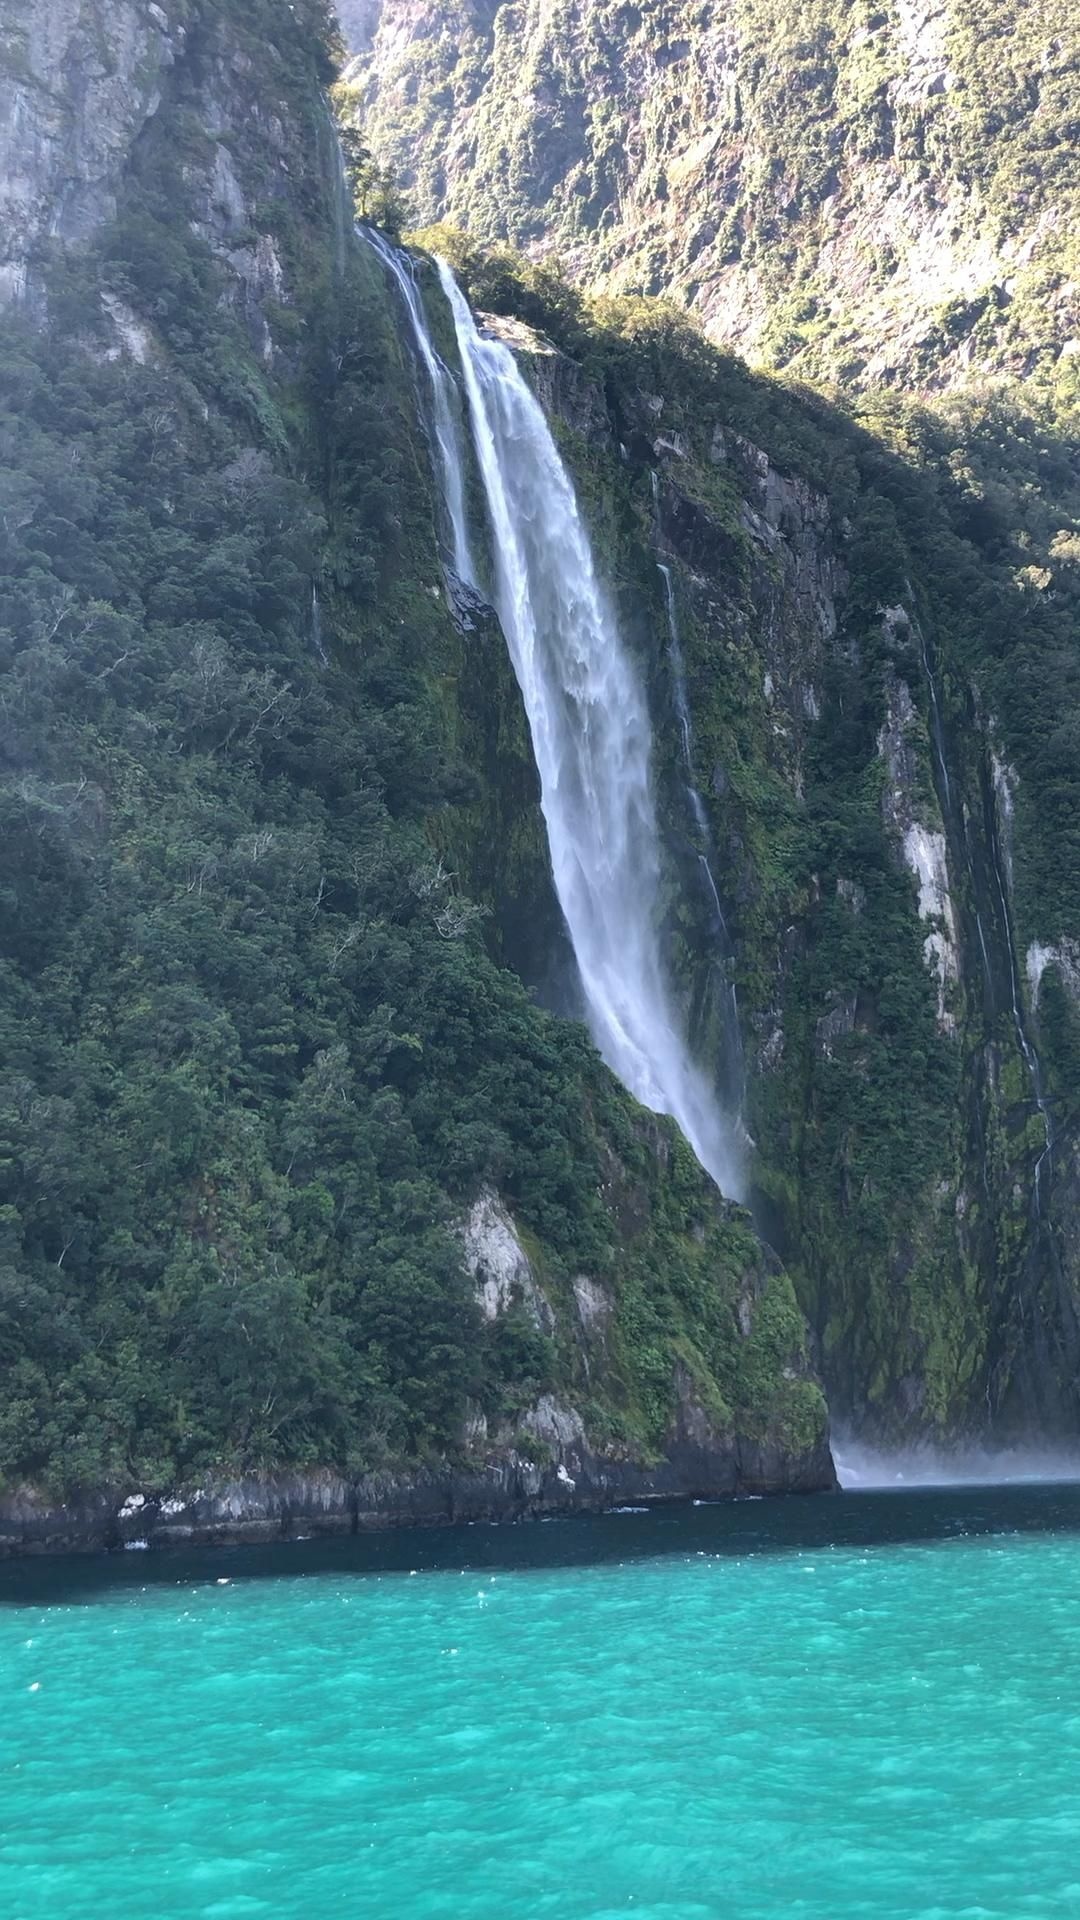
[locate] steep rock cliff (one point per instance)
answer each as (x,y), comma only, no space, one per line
(269,829)
(77,83)
(862,194)
(850,875)
(310,1214)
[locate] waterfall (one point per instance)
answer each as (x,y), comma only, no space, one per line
(705,849)
(937,743)
(1029,1055)
(316,626)
(682,713)
(1016,1001)
(678,678)
(592,743)
(340,196)
(444,409)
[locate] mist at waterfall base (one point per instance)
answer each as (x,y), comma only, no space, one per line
(841,1709)
(863,1469)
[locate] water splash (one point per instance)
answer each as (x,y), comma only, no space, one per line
(592,743)
(867,1469)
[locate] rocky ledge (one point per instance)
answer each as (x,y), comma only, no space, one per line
(509,1486)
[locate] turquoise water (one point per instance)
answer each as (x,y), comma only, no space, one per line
(832,1708)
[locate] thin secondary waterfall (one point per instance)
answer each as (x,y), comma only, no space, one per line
(316,626)
(678,678)
(937,742)
(682,713)
(444,412)
(1016,1000)
(591,738)
(329,149)
(1028,1053)
(705,849)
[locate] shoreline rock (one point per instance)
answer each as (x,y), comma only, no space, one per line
(507,1488)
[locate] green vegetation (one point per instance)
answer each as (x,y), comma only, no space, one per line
(257,1052)
(856,192)
(895,1158)
(373,188)
(272,872)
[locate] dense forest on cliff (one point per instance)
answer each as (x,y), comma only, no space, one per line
(864,194)
(855,1137)
(284,985)
(259,1056)
(884,203)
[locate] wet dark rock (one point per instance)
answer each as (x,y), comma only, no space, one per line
(467,605)
(506,1486)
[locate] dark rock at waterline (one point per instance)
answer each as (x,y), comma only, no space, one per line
(29,1523)
(506,1487)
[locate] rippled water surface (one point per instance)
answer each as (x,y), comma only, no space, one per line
(865,1706)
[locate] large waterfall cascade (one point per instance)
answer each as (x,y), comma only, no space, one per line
(592,741)
(587,717)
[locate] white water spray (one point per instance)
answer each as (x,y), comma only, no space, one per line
(591,738)
(444,405)
(866,1469)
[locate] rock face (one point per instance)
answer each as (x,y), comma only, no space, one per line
(901,896)
(78,80)
(1063,957)
(179,236)
(506,1487)
(544,1462)
(825,189)
(912,820)
(840,886)
(499,1265)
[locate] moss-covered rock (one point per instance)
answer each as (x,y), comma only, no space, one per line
(868,897)
(858,194)
(270,840)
